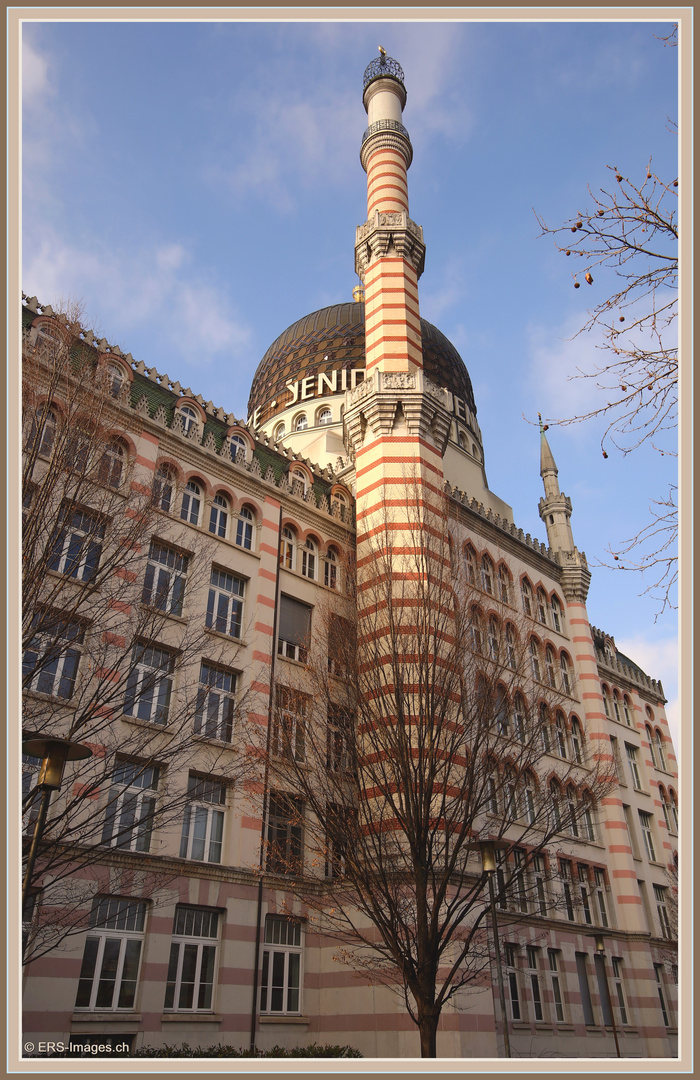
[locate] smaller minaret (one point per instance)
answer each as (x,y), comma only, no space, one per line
(555,511)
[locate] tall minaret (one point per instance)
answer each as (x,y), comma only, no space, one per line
(555,511)
(396,422)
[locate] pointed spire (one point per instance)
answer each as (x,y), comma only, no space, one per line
(547,462)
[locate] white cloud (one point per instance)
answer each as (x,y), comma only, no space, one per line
(659,659)
(35,78)
(557,360)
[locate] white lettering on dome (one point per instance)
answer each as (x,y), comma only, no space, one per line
(325,381)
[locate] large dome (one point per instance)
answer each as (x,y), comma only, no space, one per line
(333,339)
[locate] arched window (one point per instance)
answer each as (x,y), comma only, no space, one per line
(576,744)
(555,799)
(238,444)
(487,575)
(606,701)
(325,416)
(544,728)
(338,500)
(510,647)
(535,659)
(519,711)
(191,502)
(627,710)
(115,379)
(501,711)
(288,548)
(470,565)
(301,423)
(649,713)
(549,664)
(660,750)
(587,817)
(616,706)
(475,629)
(650,740)
(493,638)
(573,810)
(462,440)
(673,803)
(565,676)
(43,428)
(298,476)
(164,488)
(244,528)
(218,519)
(112,466)
(527,596)
(529,798)
(504,584)
(560,725)
(280,432)
(557,615)
(541,606)
(189,418)
(330,570)
(308,560)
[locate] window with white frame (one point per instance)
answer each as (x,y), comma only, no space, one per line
(491,795)
(280,980)
(308,559)
(504,584)
(339,505)
(43,430)
(633,761)
(110,967)
(325,416)
(165,579)
(339,738)
(541,607)
(203,821)
(513,990)
(149,683)
(164,485)
(519,714)
(587,817)
(600,890)
(549,666)
(341,825)
(646,825)
(470,565)
(576,741)
(192,963)
(533,963)
(584,893)
(544,729)
(627,710)
(557,614)
(189,418)
(239,448)
(573,810)
(76,546)
(565,674)
(493,638)
(298,477)
(529,812)
(225,603)
(606,702)
(650,740)
(660,751)
(284,834)
(289,723)
(51,658)
(518,880)
(535,659)
(661,900)
(487,575)
(294,633)
(111,468)
(584,988)
(619,988)
(616,706)
(560,730)
(330,569)
(191,508)
(539,871)
(526,589)
(301,423)
(510,647)
(218,518)
(131,807)
(553,957)
(244,528)
(566,886)
(500,711)
(280,432)
(216,702)
(288,548)
(659,975)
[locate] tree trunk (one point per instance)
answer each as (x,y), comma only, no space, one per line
(427,1026)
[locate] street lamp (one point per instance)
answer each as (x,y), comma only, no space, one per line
(600,950)
(488,849)
(54,753)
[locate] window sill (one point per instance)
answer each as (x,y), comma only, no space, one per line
(283,1019)
(224,637)
(105,1017)
(182,619)
(189,1018)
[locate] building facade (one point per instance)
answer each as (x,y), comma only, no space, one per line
(185,930)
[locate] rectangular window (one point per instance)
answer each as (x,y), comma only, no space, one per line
(294,629)
(340,825)
(619,988)
(583,893)
(632,758)
(631,831)
(339,739)
(539,870)
(280,983)
(225,604)
(111,956)
(190,983)
(284,834)
(584,988)
(565,872)
(659,974)
(605,1003)
(555,980)
(50,661)
(289,723)
(149,684)
(512,982)
(341,646)
(214,714)
(77,544)
(600,889)
(660,898)
(645,821)
(519,876)
(164,583)
(203,823)
(131,808)
(533,964)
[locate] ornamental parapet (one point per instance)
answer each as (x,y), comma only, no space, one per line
(374,406)
(389,232)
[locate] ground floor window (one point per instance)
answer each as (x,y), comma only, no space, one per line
(112,953)
(190,984)
(280,984)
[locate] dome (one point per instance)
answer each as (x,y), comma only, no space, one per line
(333,339)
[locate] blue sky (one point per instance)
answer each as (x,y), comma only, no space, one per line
(198,185)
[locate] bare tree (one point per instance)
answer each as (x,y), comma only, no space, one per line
(116,655)
(422,730)
(631,229)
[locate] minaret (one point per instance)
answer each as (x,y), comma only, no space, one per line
(555,511)
(396,422)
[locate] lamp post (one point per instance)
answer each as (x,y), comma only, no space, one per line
(600,950)
(488,849)
(54,753)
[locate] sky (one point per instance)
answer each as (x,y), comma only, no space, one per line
(197,185)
